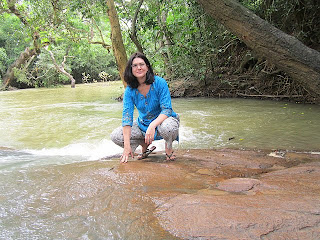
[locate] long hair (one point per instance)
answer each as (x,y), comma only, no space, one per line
(130,79)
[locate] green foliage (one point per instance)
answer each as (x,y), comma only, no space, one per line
(92,59)
(64,26)
(13,36)
(21,76)
(42,72)
(253,5)
(3,61)
(297,18)
(177,36)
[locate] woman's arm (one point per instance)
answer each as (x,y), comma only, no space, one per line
(152,128)
(166,109)
(127,151)
(127,121)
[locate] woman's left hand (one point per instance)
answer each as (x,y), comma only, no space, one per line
(150,134)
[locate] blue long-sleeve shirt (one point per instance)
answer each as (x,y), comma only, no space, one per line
(156,102)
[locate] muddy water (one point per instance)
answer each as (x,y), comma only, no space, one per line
(53,185)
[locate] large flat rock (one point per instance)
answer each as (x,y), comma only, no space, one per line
(233,194)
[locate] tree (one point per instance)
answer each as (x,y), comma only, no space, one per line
(286,52)
(165,42)
(116,39)
(40,27)
(61,68)
(133,33)
(28,53)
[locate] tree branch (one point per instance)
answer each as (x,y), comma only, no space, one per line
(269,96)
(133,34)
(12,7)
(61,68)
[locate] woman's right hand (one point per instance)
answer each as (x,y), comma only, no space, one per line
(127,151)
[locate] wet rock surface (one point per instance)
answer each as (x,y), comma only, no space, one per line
(231,194)
(238,184)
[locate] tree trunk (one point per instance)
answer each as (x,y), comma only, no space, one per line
(28,53)
(133,34)
(286,52)
(61,68)
(165,42)
(23,58)
(116,38)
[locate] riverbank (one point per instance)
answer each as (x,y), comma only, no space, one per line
(231,194)
(247,86)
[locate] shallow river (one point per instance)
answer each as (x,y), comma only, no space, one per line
(50,140)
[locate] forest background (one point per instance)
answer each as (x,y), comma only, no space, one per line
(53,42)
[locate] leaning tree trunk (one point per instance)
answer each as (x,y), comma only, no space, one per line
(23,58)
(116,38)
(285,51)
(27,54)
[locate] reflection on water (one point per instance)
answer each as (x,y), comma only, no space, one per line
(44,194)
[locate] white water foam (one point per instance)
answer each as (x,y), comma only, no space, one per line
(91,151)
(104,148)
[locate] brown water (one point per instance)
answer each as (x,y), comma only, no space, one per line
(53,185)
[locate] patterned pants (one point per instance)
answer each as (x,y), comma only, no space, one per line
(168,130)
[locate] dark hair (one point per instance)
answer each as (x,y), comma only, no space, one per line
(130,79)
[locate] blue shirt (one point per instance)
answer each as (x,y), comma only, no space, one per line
(156,102)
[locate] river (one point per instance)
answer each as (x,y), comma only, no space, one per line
(53,140)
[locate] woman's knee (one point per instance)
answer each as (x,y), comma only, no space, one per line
(136,135)
(169,128)
(117,136)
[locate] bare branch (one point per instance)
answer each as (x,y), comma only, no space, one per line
(100,32)
(133,34)
(61,68)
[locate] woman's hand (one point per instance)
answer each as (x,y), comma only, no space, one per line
(127,151)
(150,134)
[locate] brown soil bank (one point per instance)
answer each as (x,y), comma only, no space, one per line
(232,194)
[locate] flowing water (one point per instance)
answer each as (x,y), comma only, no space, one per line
(56,178)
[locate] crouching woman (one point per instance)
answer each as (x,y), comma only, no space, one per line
(157,120)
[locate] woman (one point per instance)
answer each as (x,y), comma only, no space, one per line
(150,95)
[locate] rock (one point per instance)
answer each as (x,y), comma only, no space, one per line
(238,184)
(281,204)
(241,217)
(204,171)
(278,154)
(201,196)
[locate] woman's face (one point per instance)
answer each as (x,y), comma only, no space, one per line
(139,68)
